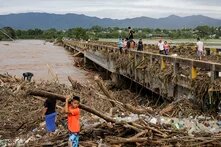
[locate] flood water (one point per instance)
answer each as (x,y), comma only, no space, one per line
(43,59)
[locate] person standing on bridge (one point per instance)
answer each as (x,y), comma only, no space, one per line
(166,47)
(160,46)
(140,45)
(120,44)
(131,34)
(200,48)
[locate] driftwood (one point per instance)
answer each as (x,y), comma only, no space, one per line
(103,88)
(76,54)
(119,140)
(42,93)
(169,107)
(138,110)
(114,102)
(19,87)
(75,84)
(138,128)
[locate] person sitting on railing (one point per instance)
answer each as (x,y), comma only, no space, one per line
(131,42)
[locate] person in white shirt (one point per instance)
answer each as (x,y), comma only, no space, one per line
(160,46)
(200,48)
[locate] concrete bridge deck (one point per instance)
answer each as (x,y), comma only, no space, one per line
(140,63)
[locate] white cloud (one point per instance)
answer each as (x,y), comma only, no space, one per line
(116,8)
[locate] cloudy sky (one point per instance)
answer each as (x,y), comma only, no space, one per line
(117,9)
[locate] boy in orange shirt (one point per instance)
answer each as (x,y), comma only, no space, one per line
(71,108)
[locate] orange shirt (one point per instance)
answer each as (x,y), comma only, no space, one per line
(73,119)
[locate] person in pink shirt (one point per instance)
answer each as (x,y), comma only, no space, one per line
(166,47)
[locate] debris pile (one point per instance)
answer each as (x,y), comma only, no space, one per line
(108,118)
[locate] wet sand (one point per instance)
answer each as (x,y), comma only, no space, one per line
(41,58)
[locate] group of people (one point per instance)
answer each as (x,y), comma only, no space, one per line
(129,42)
(71,109)
(164,47)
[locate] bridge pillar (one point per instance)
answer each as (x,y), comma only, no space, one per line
(214,73)
(85,59)
(135,64)
(173,88)
(151,60)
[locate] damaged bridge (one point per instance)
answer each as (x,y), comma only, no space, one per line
(168,76)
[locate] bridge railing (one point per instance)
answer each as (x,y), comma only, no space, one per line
(139,64)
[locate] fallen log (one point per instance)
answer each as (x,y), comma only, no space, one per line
(119,140)
(76,54)
(75,84)
(42,93)
(100,84)
(46,94)
(138,110)
(114,102)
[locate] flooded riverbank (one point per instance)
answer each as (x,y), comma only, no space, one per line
(42,58)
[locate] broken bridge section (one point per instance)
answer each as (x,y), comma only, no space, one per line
(168,76)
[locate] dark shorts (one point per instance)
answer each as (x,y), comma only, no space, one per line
(162,52)
(166,51)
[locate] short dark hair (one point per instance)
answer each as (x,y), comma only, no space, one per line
(129,27)
(198,38)
(77,98)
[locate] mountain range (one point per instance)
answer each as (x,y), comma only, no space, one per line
(65,21)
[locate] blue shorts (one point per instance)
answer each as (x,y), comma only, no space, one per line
(50,122)
(74,139)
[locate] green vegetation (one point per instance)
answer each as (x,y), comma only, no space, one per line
(97,32)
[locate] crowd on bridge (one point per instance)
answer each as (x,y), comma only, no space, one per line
(163,46)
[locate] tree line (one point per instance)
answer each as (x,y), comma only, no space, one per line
(96,32)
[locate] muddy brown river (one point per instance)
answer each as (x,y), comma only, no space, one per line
(45,60)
